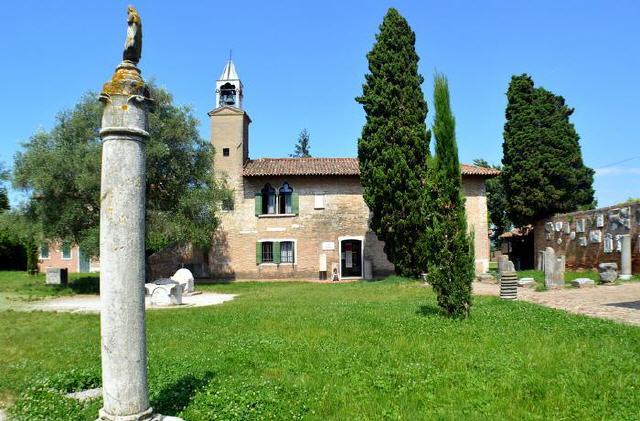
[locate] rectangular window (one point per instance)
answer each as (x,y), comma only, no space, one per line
(225,151)
(267,252)
(44,251)
(286,252)
(66,251)
(319,201)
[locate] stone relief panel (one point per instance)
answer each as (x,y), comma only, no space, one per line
(580,225)
(572,235)
(559,226)
(595,236)
(566,227)
(618,242)
(548,226)
(599,220)
(583,241)
(620,219)
(608,243)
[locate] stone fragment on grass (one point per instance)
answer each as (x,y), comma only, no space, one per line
(527,283)
(83,395)
(583,283)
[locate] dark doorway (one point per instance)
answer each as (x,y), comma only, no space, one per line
(351,258)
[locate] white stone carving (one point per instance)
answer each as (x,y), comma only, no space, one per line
(566,227)
(618,242)
(559,226)
(185,278)
(595,236)
(620,218)
(580,225)
(548,226)
(164,294)
(572,235)
(582,241)
(608,243)
(599,220)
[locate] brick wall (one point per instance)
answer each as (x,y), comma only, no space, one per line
(55,259)
(590,255)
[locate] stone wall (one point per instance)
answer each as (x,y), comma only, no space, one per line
(477,219)
(588,238)
(345,215)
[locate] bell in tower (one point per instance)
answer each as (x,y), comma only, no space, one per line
(227,95)
(229,87)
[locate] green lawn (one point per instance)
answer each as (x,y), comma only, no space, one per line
(21,286)
(365,350)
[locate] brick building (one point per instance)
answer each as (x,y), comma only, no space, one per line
(65,255)
(300,217)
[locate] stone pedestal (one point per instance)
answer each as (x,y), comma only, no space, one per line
(122,261)
(57,276)
(608,272)
(625,258)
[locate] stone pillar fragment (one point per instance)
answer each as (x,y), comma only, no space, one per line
(625,258)
(553,269)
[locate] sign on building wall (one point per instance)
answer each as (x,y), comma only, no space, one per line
(328,245)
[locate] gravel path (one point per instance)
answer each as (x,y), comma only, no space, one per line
(91,303)
(616,302)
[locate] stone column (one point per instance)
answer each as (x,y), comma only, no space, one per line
(625,258)
(122,259)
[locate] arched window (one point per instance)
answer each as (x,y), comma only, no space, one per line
(284,198)
(227,95)
(268,199)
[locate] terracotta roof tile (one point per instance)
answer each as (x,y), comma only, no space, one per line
(264,167)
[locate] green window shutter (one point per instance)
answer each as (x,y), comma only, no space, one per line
(276,252)
(295,206)
(258,253)
(258,204)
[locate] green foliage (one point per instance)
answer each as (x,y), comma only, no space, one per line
(19,239)
(44,399)
(4,195)
(61,169)
(361,350)
(543,172)
(451,259)
(302,146)
(394,146)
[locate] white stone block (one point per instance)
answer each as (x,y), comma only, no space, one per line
(185,278)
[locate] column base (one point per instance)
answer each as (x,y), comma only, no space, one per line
(147,415)
(624,277)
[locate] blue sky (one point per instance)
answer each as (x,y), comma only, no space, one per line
(302,64)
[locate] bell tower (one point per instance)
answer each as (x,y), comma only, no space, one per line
(230,131)
(229,89)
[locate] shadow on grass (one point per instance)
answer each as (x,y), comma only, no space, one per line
(429,310)
(85,285)
(176,396)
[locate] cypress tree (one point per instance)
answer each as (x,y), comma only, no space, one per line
(394,146)
(451,263)
(543,172)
